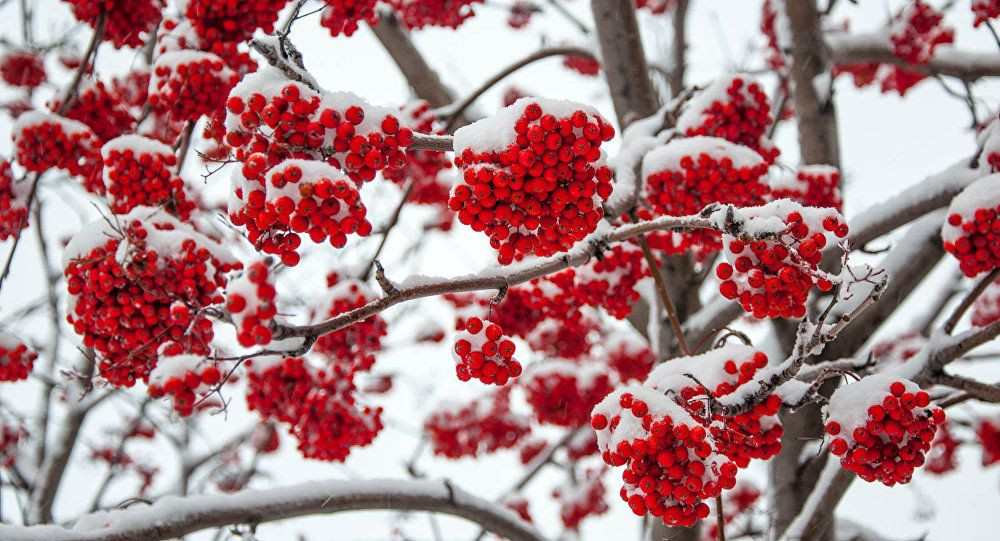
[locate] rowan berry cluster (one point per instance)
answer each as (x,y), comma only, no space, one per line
(140,284)
(16,360)
(581,500)
(180,35)
(417,14)
(881,428)
(125,21)
(190,84)
(986,309)
(772,277)
(609,282)
(343,16)
(568,337)
(13,210)
(320,405)
(988,433)
(972,232)
(520,14)
(140,172)
(563,392)
(232,20)
(250,302)
(891,78)
(942,456)
(483,426)
(102,109)
(22,68)
(533,177)
(917,31)
(811,186)
(43,141)
(984,10)
(769,27)
(429,171)
(184,378)
(482,352)
(584,65)
(10,437)
(630,357)
(296,197)
(734,109)
(357,343)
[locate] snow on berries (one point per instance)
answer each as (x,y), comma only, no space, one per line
(563,392)
(187,379)
(917,31)
(356,343)
(609,282)
(320,405)
(139,171)
(232,20)
(484,425)
(972,230)
(685,175)
(250,303)
(338,127)
(341,17)
(105,111)
(533,177)
(43,141)
(582,499)
(22,68)
(126,22)
(416,14)
(297,197)
(984,10)
(16,360)
(483,352)
(138,281)
(881,427)
(13,203)
(731,108)
(811,185)
(771,277)
(190,84)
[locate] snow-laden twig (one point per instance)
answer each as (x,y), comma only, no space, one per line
(173,517)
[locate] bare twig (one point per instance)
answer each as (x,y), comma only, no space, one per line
(969,299)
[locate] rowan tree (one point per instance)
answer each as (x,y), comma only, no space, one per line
(669,309)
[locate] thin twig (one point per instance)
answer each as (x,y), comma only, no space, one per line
(969,299)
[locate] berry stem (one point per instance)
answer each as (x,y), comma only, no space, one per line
(393,220)
(661,290)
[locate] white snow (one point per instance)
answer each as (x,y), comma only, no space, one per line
(981,194)
(496,133)
(668,157)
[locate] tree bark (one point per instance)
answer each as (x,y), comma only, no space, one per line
(623,60)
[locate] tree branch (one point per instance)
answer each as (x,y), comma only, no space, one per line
(977,389)
(422,79)
(969,299)
(865,48)
(623,60)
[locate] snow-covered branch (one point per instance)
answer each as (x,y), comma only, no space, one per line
(173,517)
(876,47)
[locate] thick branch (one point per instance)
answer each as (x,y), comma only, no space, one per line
(176,517)
(422,79)
(623,60)
(865,48)
(979,390)
(830,487)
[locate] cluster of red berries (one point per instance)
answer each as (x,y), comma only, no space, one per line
(942,456)
(482,352)
(537,186)
(343,16)
(881,428)
(812,186)
(22,68)
(232,20)
(984,10)
(13,211)
(297,197)
(769,27)
(190,84)
(609,282)
(568,337)
(16,360)
(250,302)
(685,175)
(319,405)
(140,285)
(427,170)
(564,392)
(125,21)
(485,425)
(630,357)
(670,466)
(340,128)
(772,277)
(917,31)
(738,502)
(988,433)
(359,342)
(44,141)
(891,78)
(444,13)
(584,65)
(582,500)
(180,35)
(140,172)
(102,109)
(10,437)
(991,145)
(986,309)
(972,232)
(733,109)
(120,459)
(520,14)
(183,378)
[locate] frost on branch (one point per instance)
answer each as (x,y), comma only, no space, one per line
(138,281)
(882,427)
(970,234)
(533,177)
